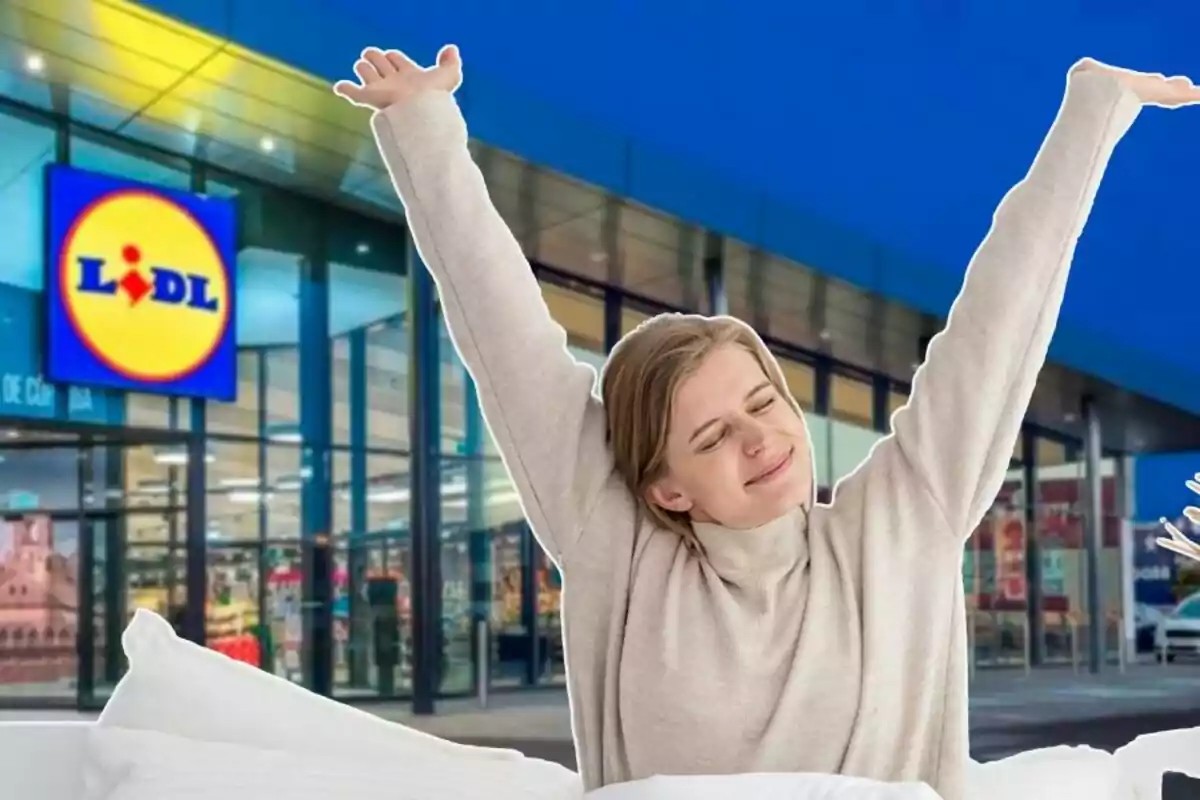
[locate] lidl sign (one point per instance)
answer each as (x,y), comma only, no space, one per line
(139,287)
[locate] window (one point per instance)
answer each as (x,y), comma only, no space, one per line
(123,162)
(368,297)
(278,233)
(1189,609)
(801,381)
(27,149)
(581,315)
(631,318)
(850,400)
(851,430)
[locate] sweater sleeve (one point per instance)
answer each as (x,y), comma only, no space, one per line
(537,399)
(955,436)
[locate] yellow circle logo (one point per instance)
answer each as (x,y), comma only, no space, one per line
(144,286)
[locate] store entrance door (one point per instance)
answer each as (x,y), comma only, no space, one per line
(93,525)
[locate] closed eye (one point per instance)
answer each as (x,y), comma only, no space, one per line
(712,444)
(759,408)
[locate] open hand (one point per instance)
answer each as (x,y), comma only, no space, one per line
(388,78)
(1178,541)
(1153,89)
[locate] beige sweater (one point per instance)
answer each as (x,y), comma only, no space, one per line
(839,650)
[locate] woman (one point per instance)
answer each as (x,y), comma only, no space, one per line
(716,618)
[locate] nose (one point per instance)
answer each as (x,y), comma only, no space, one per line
(753,438)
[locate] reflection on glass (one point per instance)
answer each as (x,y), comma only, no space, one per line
(457,628)
(154,475)
(580,315)
(367,298)
(154,575)
(39,607)
(453,394)
(235,493)
(383,649)
(851,400)
(149,411)
(281,497)
(127,577)
(661,258)
(548,588)
(801,381)
(283,633)
(995,580)
(510,635)
(850,445)
(282,366)
(631,318)
(116,158)
(27,148)
(42,478)
(232,612)
(241,416)
(371,593)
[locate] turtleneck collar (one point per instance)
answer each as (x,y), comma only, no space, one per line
(756,555)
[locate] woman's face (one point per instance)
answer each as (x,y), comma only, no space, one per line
(737,453)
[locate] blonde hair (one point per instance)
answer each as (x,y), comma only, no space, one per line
(639,381)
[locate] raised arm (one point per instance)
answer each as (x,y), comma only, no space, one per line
(537,399)
(955,436)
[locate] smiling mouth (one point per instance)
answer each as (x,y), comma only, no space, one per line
(774,470)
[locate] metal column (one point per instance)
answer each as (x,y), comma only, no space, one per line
(530,619)
(612,319)
(881,389)
(822,400)
(266,656)
(195,528)
(356,548)
(479,542)
(196,495)
(316,512)
(714,275)
(1126,502)
(425,475)
(1093,532)
(1033,551)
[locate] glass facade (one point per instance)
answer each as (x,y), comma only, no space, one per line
(280,527)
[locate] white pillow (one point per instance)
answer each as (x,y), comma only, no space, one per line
(1146,759)
(145,765)
(175,686)
(1051,773)
(763,786)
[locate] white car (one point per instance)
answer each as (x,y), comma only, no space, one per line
(1178,633)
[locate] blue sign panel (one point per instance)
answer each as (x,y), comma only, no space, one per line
(1154,568)
(24,389)
(139,287)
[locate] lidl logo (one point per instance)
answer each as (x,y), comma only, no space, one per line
(140,288)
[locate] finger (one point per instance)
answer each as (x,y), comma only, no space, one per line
(448,70)
(1193,514)
(379,60)
(1174,547)
(400,61)
(1194,486)
(1176,534)
(449,56)
(1185,547)
(366,72)
(349,90)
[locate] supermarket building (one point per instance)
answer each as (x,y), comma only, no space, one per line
(287,456)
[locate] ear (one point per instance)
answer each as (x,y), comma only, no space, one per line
(664,495)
